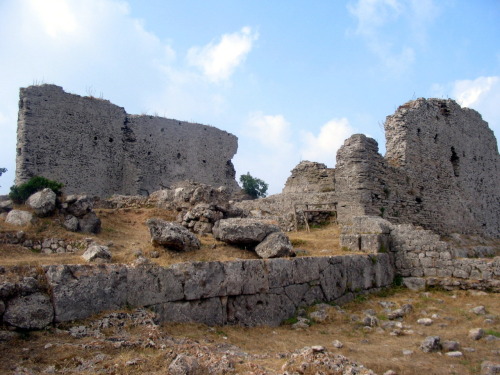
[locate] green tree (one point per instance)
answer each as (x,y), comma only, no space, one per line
(2,171)
(253,186)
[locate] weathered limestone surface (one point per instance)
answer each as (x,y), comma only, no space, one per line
(310,177)
(42,202)
(441,171)
(94,146)
(247,292)
(420,255)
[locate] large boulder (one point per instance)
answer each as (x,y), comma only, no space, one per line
(242,231)
(42,202)
(275,245)
(90,223)
(97,253)
(34,311)
(171,235)
(78,205)
(19,218)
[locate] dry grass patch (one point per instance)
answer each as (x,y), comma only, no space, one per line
(125,231)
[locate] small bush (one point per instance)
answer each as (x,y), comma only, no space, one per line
(19,194)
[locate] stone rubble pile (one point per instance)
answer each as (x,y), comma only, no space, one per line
(263,236)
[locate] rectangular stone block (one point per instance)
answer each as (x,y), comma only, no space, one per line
(209,311)
(79,291)
(259,309)
(150,285)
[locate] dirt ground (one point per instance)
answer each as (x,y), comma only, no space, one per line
(264,350)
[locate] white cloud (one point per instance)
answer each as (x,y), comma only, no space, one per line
(271,131)
(266,149)
(323,147)
(218,61)
(55,16)
(373,14)
(470,92)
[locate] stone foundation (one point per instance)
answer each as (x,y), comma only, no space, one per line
(247,292)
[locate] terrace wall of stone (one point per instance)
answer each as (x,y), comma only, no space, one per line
(246,292)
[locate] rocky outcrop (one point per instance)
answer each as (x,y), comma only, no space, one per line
(275,245)
(243,232)
(79,215)
(29,312)
(19,218)
(172,236)
(42,202)
(102,150)
(97,253)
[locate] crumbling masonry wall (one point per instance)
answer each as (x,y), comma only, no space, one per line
(441,171)
(94,146)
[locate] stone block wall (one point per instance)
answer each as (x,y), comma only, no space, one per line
(441,171)
(420,253)
(93,146)
(246,292)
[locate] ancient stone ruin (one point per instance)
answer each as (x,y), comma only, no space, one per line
(93,146)
(425,211)
(441,171)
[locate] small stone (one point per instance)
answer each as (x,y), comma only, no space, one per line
(450,346)
(476,333)
(337,344)
(390,372)
(490,368)
(154,254)
(319,316)
(370,321)
(479,310)
(407,352)
(454,354)
(431,344)
(318,348)
(97,253)
(425,321)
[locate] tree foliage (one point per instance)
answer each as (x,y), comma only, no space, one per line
(2,171)
(253,186)
(19,194)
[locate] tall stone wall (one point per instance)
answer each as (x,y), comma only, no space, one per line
(441,171)
(94,146)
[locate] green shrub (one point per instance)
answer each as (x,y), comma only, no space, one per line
(19,194)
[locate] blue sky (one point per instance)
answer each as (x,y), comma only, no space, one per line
(292,79)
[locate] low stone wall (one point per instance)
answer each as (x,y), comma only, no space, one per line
(246,292)
(421,256)
(44,245)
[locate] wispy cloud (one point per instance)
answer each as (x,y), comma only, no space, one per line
(397,52)
(323,147)
(218,61)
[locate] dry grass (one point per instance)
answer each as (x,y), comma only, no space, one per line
(125,230)
(269,347)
